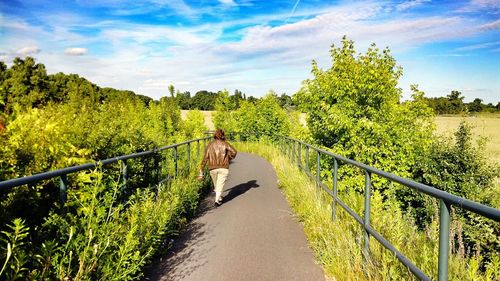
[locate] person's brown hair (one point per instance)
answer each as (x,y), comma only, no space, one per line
(219,135)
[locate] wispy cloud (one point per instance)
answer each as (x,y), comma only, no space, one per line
(410,4)
(264,51)
(490,26)
(474,47)
(488,6)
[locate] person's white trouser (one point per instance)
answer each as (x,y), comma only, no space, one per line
(219,177)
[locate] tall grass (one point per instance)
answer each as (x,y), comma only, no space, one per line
(338,244)
(101,237)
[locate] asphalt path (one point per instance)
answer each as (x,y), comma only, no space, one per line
(252,236)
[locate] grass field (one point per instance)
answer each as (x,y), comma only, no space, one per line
(483,126)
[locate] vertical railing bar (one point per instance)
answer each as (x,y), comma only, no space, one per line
(335,189)
(198,148)
(124,174)
(307,158)
(299,160)
(367,214)
(63,188)
(189,157)
(293,150)
(444,240)
(156,166)
(318,170)
(175,162)
(289,148)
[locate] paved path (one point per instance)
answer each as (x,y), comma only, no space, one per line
(252,236)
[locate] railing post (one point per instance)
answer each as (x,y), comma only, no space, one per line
(299,156)
(288,148)
(63,187)
(335,189)
(307,158)
(188,156)
(367,214)
(124,174)
(175,162)
(198,148)
(156,166)
(318,170)
(444,240)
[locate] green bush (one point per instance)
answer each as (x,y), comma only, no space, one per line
(460,168)
(265,117)
(354,109)
(104,231)
(99,237)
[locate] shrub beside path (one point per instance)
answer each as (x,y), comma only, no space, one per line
(252,236)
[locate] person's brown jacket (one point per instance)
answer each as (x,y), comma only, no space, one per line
(218,154)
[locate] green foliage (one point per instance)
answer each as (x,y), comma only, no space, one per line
(62,120)
(223,117)
(354,109)
(451,104)
(26,85)
(194,125)
(454,104)
(459,168)
(13,243)
(204,100)
(23,85)
(264,117)
(100,238)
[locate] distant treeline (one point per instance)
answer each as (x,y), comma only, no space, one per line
(26,84)
(205,100)
(454,104)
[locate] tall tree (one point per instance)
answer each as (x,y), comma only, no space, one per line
(354,108)
(25,85)
(476,105)
(456,102)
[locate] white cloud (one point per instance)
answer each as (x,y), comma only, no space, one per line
(227,2)
(28,51)
(146,58)
(75,51)
(410,4)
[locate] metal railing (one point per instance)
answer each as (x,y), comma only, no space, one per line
(293,148)
(8,185)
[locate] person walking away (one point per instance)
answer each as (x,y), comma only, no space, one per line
(218,154)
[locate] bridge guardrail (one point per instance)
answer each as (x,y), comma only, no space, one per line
(293,148)
(6,186)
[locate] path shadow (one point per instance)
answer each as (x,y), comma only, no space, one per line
(183,257)
(239,189)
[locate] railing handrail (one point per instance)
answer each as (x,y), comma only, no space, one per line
(9,184)
(461,202)
(446,200)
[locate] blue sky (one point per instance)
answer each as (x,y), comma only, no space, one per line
(254,46)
